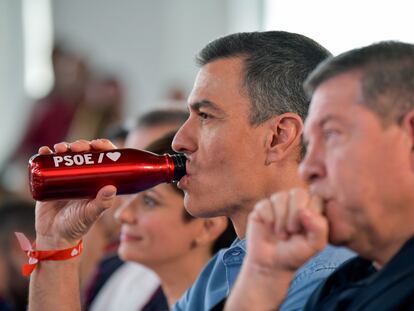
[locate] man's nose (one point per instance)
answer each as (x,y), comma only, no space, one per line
(185,140)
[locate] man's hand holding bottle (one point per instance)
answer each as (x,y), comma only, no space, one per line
(62,223)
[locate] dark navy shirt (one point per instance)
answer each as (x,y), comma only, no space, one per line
(357,285)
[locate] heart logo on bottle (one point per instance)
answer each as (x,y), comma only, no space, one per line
(74,252)
(114,156)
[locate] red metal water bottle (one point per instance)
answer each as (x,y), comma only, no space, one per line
(82,174)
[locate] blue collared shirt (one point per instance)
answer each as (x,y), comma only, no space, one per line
(219,275)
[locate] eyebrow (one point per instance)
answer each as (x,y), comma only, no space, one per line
(196,106)
(327,119)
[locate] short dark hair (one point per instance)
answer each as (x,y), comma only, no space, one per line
(386,71)
(161,117)
(163,145)
(276,63)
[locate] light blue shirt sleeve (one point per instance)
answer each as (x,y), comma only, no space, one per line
(210,288)
(215,281)
(218,277)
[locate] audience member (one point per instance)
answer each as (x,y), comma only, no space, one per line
(360,166)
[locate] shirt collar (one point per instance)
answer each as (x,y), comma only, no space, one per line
(240,243)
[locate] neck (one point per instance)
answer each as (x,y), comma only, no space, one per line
(239,220)
(281,179)
(178,275)
(384,253)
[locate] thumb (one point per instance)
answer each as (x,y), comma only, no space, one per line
(105,198)
(91,212)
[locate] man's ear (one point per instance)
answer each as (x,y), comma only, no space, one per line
(407,125)
(284,137)
(212,228)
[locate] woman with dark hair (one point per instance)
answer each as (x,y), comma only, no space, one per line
(158,233)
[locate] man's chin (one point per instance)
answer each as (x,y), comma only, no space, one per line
(337,239)
(206,210)
(199,211)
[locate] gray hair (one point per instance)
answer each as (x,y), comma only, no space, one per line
(386,72)
(276,63)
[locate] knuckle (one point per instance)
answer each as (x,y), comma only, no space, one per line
(278,197)
(260,205)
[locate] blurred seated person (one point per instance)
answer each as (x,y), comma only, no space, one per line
(15,216)
(79,105)
(100,108)
(52,115)
(159,233)
(49,119)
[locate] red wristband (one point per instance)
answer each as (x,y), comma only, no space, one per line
(36,255)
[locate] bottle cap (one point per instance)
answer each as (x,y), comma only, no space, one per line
(179,166)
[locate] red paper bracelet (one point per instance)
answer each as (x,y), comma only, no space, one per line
(36,255)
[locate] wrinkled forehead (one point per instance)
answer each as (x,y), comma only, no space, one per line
(218,79)
(319,108)
(337,98)
(220,83)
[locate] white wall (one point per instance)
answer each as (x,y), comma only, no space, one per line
(343,25)
(149,44)
(12,100)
